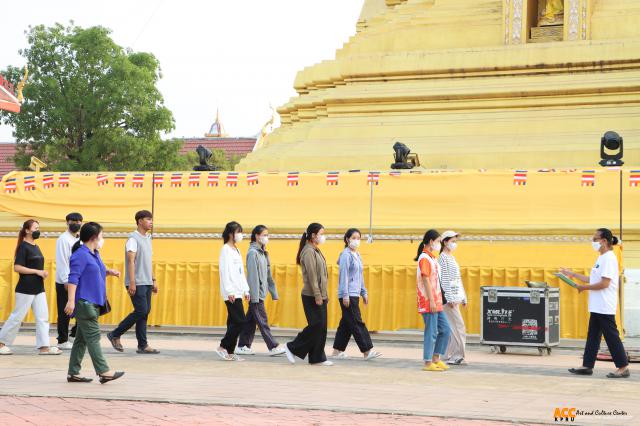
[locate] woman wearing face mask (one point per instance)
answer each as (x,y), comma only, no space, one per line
(603,302)
(436,327)
(29,263)
(455,296)
(350,289)
(260,282)
(233,287)
(311,340)
(87,289)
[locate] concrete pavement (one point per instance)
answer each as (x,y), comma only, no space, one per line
(518,386)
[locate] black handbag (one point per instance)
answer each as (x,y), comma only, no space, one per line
(104,309)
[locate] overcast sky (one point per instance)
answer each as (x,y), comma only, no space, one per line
(236,55)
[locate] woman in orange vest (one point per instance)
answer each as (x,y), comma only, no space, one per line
(436,327)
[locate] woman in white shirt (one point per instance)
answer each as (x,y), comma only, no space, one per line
(455,296)
(233,287)
(603,301)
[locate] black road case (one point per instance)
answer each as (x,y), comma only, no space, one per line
(520,316)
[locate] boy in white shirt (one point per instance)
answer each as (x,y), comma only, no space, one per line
(64,244)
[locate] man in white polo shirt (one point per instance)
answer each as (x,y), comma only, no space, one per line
(64,245)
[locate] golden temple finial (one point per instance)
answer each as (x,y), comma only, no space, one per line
(266,129)
(22,83)
(217,129)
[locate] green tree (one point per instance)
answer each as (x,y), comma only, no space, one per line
(90,104)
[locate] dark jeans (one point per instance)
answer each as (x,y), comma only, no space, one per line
(351,323)
(141,308)
(311,340)
(257,315)
(236,320)
(63,319)
(600,324)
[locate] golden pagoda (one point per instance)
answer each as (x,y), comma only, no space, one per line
(467,84)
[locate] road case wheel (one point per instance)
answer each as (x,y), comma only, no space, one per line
(548,351)
(503,349)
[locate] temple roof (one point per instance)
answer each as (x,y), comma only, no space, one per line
(231,146)
(8,101)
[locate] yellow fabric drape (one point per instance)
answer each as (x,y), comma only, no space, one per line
(190,296)
(479,202)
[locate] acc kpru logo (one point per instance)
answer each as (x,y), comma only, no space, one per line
(564,414)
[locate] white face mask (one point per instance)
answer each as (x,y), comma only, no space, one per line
(100,243)
(354,244)
(263,240)
(321,239)
(596,245)
(452,246)
(437,247)
(238,237)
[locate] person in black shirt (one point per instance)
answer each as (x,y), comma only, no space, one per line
(29,263)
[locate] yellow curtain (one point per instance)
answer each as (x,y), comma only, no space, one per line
(190,296)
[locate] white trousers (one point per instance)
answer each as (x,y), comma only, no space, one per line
(38,302)
(458,339)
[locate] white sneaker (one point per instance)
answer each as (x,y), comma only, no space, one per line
(66,345)
(235,357)
(222,354)
(324,364)
(372,355)
(341,355)
(5,350)
(245,350)
(278,350)
(290,356)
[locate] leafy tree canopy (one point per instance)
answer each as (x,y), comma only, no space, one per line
(91,104)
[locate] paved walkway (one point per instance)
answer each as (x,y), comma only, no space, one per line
(518,386)
(18,411)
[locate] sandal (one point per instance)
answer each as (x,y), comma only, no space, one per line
(77,379)
(53,350)
(105,379)
(148,350)
(582,371)
(626,373)
(115,342)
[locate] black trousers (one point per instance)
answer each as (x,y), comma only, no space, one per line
(257,315)
(600,324)
(352,324)
(311,340)
(236,320)
(63,319)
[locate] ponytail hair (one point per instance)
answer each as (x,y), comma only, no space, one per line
(75,246)
(429,236)
(313,228)
(230,230)
(257,231)
(606,234)
(23,232)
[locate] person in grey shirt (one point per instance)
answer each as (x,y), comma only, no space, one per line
(260,282)
(140,283)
